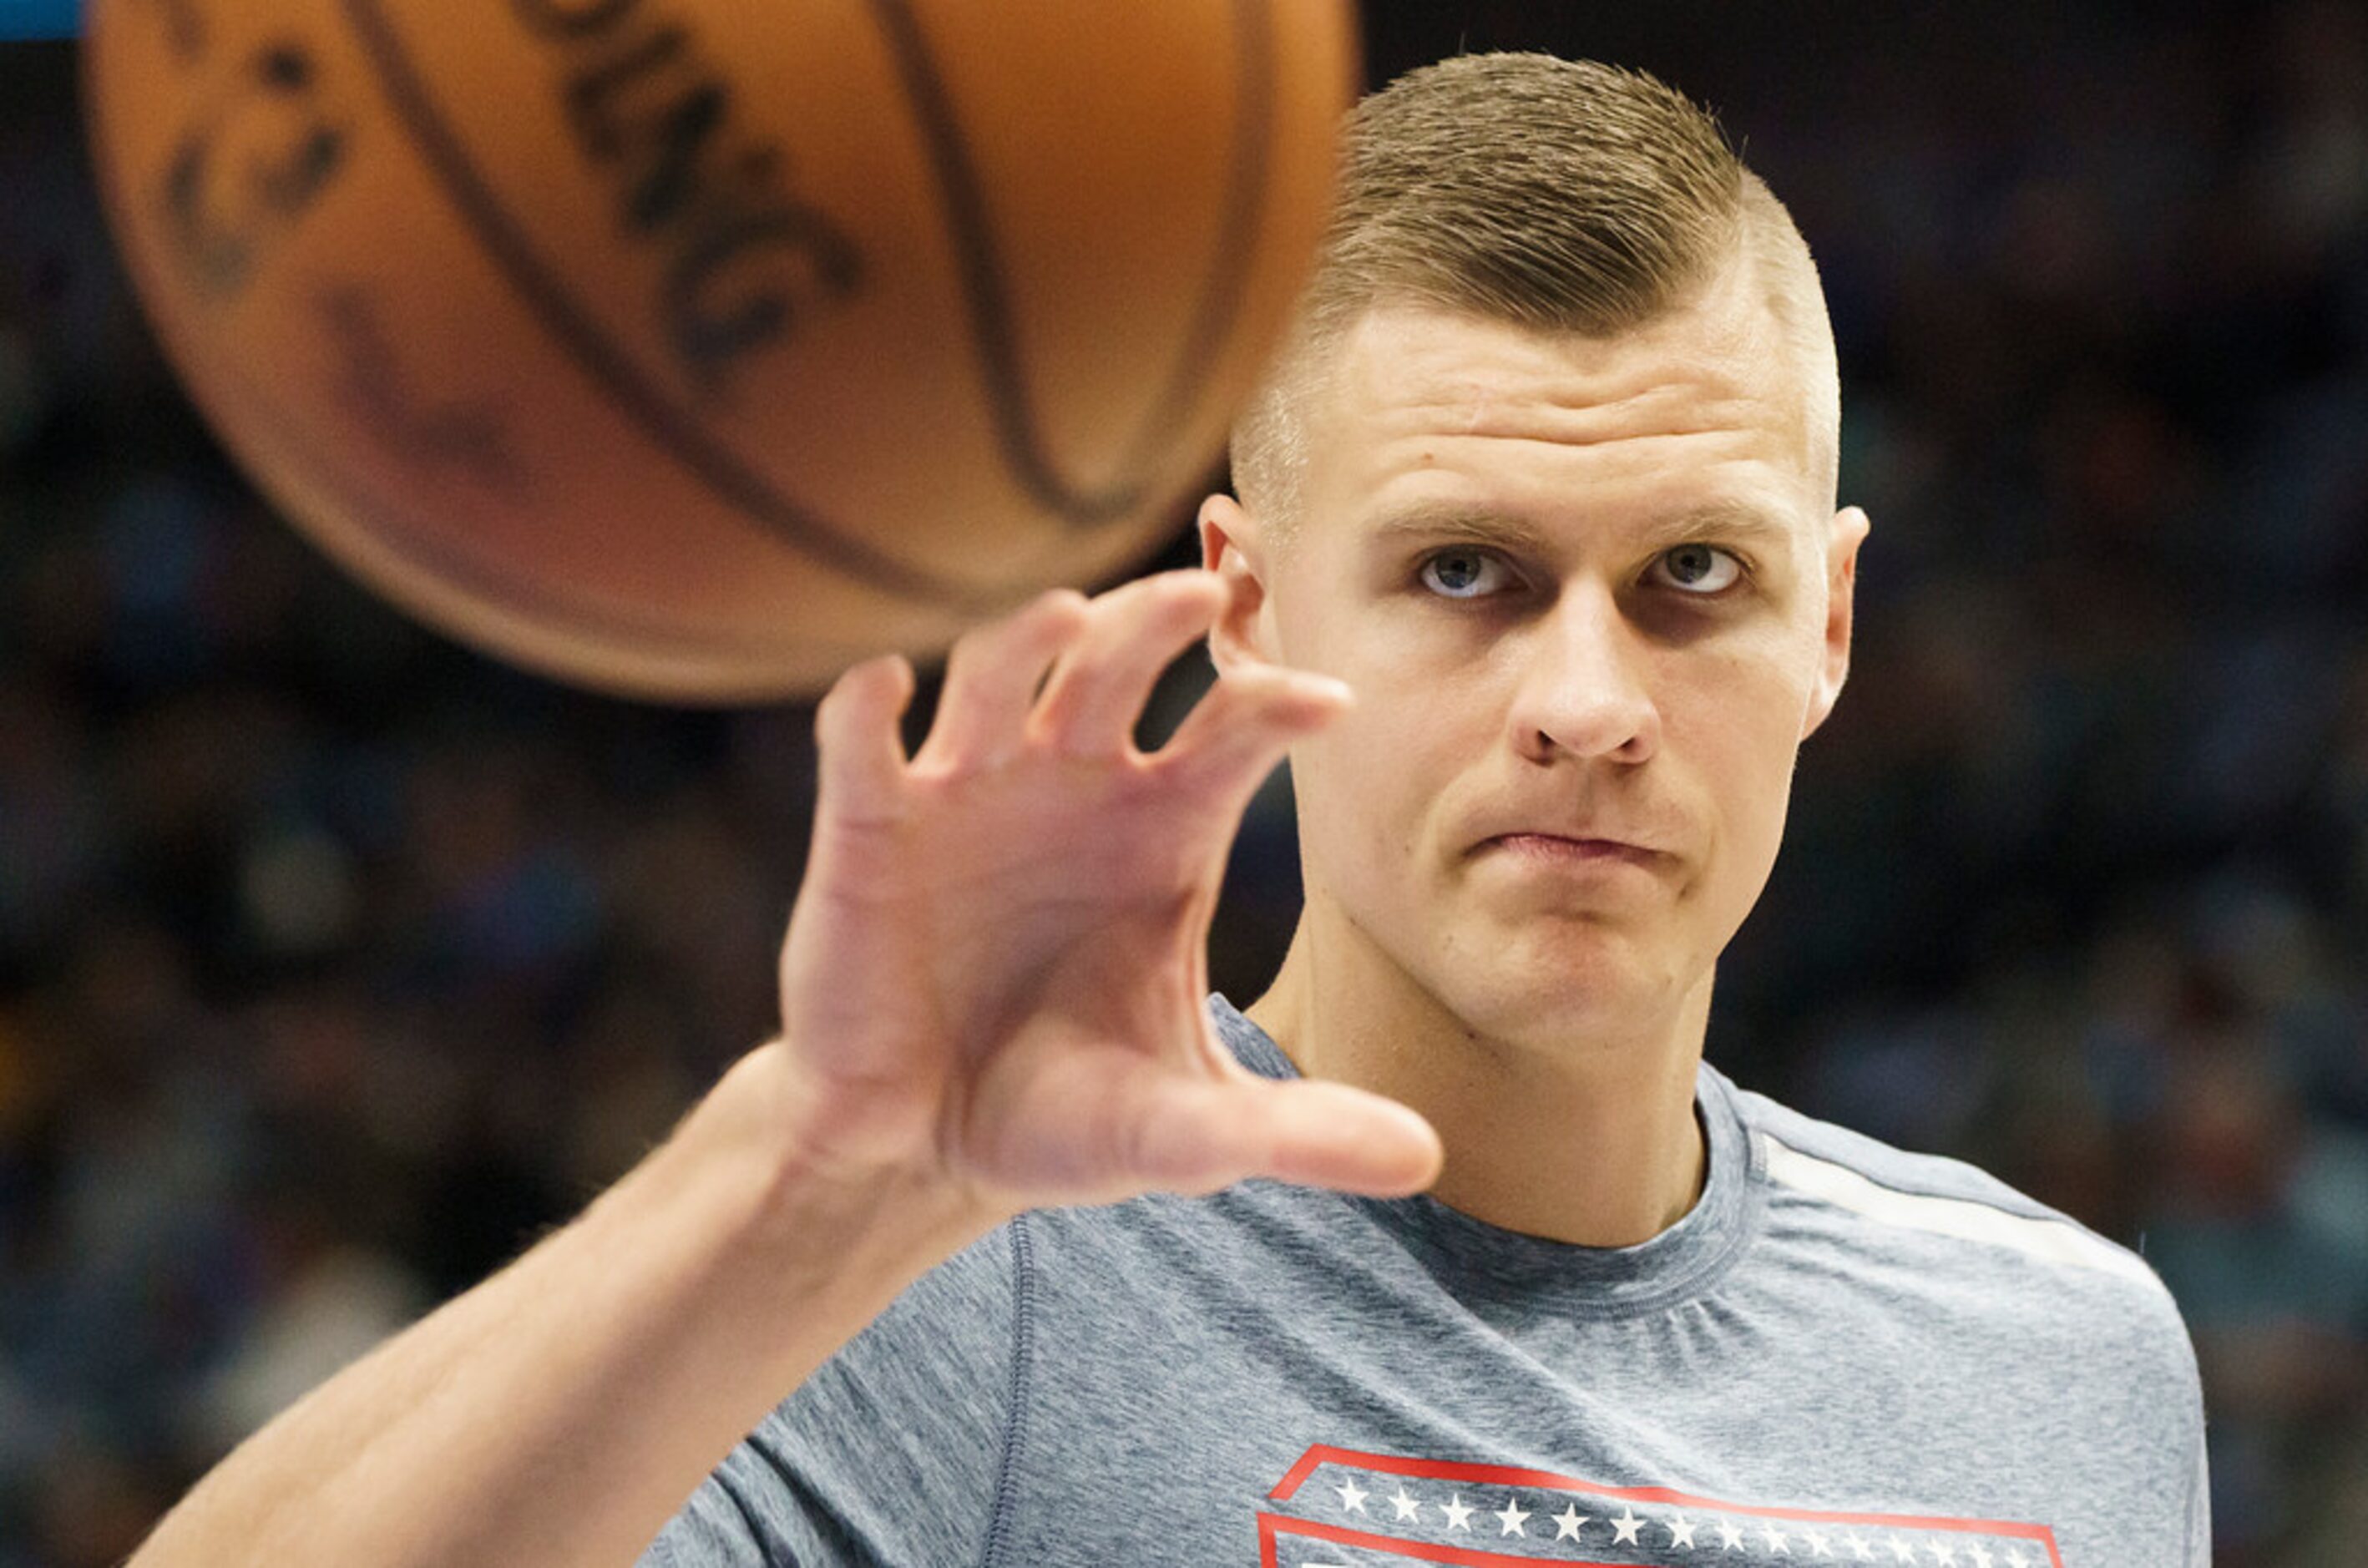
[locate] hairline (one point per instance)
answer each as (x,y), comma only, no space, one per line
(1788,294)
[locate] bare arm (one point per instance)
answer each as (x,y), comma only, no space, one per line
(562,1411)
(992,1001)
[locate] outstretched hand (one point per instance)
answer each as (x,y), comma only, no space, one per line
(995,975)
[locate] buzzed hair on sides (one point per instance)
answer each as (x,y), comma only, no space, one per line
(1553,195)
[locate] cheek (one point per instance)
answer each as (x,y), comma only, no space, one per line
(1744,733)
(1367,786)
(1384,754)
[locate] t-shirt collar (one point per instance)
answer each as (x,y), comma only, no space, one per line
(1476,1259)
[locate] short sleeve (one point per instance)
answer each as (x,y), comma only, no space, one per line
(2199,1508)
(890,1454)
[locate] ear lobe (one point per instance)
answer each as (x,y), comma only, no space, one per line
(1229,547)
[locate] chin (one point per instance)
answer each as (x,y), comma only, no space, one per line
(1551,995)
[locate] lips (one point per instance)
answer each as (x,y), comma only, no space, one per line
(1572,848)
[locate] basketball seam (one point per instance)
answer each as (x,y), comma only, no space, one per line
(988,298)
(550,613)
(722,473)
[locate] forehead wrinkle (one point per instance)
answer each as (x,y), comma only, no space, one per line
(1418,392)
(1556,400)
(1638,417)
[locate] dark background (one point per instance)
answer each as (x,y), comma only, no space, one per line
(335,961)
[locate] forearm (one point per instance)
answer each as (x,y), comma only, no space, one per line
(562,1411)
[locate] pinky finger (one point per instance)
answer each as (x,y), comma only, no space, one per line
(863,751)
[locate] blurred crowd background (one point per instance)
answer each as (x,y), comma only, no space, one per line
(336,962)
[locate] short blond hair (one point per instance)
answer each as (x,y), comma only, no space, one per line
(1559,196)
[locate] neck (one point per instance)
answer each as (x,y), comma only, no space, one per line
(1589,1137)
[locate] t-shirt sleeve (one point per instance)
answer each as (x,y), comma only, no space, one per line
(2199,1503)
(890,1453)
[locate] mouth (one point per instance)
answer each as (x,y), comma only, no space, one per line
(1560,849)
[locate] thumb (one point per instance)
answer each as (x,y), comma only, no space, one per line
(1204,1136)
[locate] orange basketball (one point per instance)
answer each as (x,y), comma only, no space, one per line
(697,348)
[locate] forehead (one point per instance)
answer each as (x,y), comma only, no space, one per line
(1698,405)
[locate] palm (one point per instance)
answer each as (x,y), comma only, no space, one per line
(995,969)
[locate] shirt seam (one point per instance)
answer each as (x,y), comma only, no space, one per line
(1015,1419)
(758,1535)
(2015,1206)
(1709,1273)
(1699,1283)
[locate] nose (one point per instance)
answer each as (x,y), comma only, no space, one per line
(1583,690)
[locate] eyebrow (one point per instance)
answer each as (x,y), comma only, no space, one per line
(1475,523)
(1733,520)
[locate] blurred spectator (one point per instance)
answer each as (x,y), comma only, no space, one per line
(336,962)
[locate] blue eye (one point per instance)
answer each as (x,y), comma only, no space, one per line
(1463,574)
(1700,569)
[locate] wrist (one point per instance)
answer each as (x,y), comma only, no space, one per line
(802,1221)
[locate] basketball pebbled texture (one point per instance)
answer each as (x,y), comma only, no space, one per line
(694,349)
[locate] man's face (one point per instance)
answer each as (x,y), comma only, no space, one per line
(1591,597)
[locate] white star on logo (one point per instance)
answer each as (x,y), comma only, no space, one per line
(1352,1501)
(1944,1555)
(1512,1515)
(1728,1536)
(1459,1513)
(1901,1551)
(1980,1554)
(1566,1523)
(1775,1539)
(2014,1558)
(1681,1533)
(1859,1549)
(1817,1544)
(1406,1507)
(1627,1525)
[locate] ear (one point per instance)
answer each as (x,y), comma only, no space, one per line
(1847,532)
(1230,547)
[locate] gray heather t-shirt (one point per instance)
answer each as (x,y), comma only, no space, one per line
(1845,1354)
